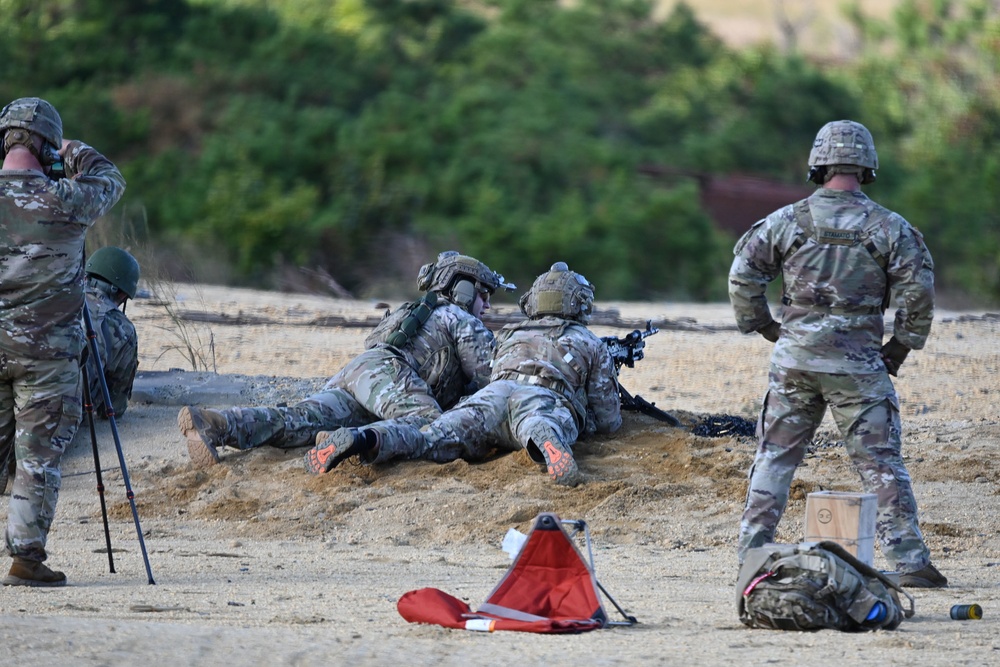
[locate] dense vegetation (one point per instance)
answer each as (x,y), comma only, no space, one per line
(358,137)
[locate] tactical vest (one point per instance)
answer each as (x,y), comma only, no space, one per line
(560,370)
(829,236)
(400,326)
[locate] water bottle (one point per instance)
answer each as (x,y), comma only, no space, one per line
(877,613)
(967,612)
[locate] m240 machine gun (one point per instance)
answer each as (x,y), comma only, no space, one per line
(626,351)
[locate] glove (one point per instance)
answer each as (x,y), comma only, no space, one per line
(770,331)
(893,355)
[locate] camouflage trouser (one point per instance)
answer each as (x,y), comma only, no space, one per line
(375,385)
(866,410)
(40,409)
(504,415)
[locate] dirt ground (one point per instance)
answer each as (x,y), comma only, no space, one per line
(257,562)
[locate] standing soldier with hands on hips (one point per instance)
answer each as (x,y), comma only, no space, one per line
(44,214)
(842,257)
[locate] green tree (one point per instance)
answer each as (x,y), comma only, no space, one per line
(935,67)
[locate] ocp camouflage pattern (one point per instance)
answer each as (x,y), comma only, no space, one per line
(118,345)
(39,410)
(552,379)
(44,224)
(832,320)
(449,354)
(452,350)
(839,255)
(866,410)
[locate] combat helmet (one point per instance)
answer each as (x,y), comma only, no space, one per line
(843,146)
(559,292)
(117,267)
(459,277)
(37,117)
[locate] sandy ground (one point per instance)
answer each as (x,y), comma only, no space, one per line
(257,562)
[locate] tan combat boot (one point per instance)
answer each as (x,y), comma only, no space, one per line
(25,572)
(205,431)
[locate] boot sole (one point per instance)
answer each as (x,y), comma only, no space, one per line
(920,582)
(561,465)
(332,448)
(201,453)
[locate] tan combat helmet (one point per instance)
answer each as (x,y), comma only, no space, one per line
(459,277)
(37,117)
(560,292)
(843,146)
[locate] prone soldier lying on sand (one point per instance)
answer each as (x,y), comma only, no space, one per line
(552,380)
(424,355)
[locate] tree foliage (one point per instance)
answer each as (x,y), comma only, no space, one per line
(260,135)
(938,78)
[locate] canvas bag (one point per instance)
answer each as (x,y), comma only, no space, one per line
(812,586)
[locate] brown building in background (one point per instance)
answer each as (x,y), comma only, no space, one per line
(736,201)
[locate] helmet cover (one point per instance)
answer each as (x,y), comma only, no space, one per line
(559,292)
(844,142)
(451,266)
(35,115)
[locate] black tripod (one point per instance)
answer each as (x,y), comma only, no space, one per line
(89,407)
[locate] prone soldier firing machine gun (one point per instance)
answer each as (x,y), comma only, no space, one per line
(625,352)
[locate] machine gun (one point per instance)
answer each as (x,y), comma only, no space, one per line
(625,352)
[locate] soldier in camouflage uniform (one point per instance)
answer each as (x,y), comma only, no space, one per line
(45,218)
(841,257)
(112,279)
(423,356)
(552,380)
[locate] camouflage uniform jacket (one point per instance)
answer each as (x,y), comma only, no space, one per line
(451,352)
(119,348)
(567,358)
(44,224)
(835,289)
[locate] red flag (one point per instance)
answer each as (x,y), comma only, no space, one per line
(549,588)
